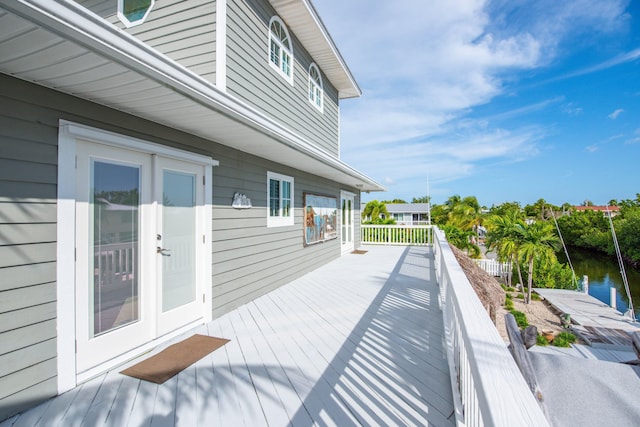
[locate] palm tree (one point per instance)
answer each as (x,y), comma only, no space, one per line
(503,237)
(375,210)
(537,240)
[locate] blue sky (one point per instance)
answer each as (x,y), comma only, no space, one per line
(507,100)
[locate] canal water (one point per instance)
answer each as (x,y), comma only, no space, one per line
(604,273)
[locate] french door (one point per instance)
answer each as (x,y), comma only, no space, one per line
(139,237)
(347,202)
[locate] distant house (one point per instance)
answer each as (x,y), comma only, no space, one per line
(606,210)
(158,163)
(408,213)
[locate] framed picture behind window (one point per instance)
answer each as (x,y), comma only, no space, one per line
(320,218)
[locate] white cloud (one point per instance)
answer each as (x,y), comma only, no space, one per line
(615,114)
(424,65)
(572,109)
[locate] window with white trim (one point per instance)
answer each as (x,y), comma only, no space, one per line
(280,49)
(279,200)
(134,12)
(315,87)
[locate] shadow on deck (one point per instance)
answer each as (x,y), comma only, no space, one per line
(357,342)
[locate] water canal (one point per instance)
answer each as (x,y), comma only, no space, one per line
(604,273)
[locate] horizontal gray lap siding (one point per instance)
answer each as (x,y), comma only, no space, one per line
(251,77)
(28,175)
(185,31)
(248,258)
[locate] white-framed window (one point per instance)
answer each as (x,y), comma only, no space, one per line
(280,49)
(315,87)
(134,12)
(279,200)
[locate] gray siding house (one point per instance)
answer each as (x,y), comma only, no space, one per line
(161,163)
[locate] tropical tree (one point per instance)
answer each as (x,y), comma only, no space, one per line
(504,208)
(376,211)
(424,199)
(537,241)
(462,240)
(503,238)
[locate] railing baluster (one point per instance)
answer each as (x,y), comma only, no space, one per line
(372,234)
(488,387)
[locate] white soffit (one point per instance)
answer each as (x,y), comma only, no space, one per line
(302,18)
(65,47)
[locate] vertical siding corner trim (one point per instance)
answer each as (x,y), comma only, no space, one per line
(221,45)
(65,273)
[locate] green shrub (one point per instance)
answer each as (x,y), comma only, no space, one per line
(561,342)
(520,296)
(508,304)
(521,318)
(535,297)
(542,340)
(564,339)
(508,296)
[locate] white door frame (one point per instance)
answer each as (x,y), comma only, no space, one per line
(349,246)
(68,134)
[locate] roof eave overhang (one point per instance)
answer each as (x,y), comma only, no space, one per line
(268,138)
(302,18)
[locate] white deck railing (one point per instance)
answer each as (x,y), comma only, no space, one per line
(416,235)
(489,389)
(494,267)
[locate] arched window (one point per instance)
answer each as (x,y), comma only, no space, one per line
(134,12)
(315,87)
(280,48)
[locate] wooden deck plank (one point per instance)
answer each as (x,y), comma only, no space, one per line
(356,342)
(186,398)
(164,410)
(123,402)
(229,397)
(301,370)
(143,405)
(33,417)
(266,393)
(333,338)
(321,403)
(58,407)
(206,410)
(104,399)
(77,411)
(290,384)
(241,372)
(279,403)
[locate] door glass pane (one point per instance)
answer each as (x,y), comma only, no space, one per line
(350,219)
(344,225)
(178,239)
(114,205)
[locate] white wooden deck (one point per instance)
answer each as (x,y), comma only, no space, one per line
(357,342)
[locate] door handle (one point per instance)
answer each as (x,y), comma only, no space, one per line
(162,251)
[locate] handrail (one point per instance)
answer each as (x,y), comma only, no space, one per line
(395,234)
(494,267)
(489,390)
